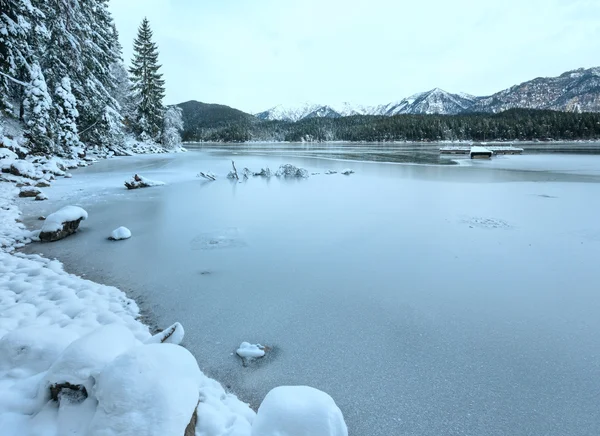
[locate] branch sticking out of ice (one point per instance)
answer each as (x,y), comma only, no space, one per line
(171,335)
(347,172)
(208,176)
(291,171)
(233,174)
(138,181)
(120,233)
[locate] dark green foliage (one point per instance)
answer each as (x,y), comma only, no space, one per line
(147,83)
(514,124)
(215,122)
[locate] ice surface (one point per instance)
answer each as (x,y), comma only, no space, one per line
(298,411)
(419,297)
(120,233)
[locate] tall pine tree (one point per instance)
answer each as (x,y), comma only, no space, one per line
(147,84)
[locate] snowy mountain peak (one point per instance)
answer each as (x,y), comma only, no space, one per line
(576,90)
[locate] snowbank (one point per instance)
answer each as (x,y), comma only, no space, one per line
(54,222)
(148,390)
(298,411)
(120,233)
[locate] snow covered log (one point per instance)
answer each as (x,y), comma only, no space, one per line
(208,176)
(138,181)
(171,335)
(291,171)
(62,223)
(150,390)
(298,411)
(347,172)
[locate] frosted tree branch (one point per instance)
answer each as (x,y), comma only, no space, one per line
(13,79)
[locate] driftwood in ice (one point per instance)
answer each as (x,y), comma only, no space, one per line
(208,176)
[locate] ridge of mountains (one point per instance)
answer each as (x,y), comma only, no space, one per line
(573,91)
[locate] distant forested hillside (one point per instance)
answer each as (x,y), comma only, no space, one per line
(514,124)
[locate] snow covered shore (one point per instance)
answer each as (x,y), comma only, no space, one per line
(75,359)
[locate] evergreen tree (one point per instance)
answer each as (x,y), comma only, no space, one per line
(38,108)
(21,35)
(65,104)
(148,85)
(173,126)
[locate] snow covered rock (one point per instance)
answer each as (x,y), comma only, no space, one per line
(298,411)
(21,168)
(150,390)
(41,197)
(248,350)
(171,335)
(289,170)
(29,191)
(42,184)
(138,181)
(328,172)
(120,233)
(68,175)
(82,361)
(62,223)
(347,172)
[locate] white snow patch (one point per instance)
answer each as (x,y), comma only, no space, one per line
(54,221)
(248,350)
(120,233)
(149,390)
(298,411)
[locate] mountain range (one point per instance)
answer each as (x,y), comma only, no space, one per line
(573,91)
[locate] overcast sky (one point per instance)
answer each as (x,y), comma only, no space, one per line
(255,54)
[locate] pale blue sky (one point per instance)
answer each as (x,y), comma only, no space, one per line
(255,54)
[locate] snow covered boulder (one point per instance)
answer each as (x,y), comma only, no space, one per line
(74,372)
(119,234)
(41,197)
(42,184)
(138,181)
(329,172)
(298,411)
(29,191)
(151,390)
(347,172)
(288,170)
(62,223)
(21,168)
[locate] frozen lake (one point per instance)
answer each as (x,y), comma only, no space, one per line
(427,300)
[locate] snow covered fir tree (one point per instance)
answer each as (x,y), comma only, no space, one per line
(148,87)
(63,80)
